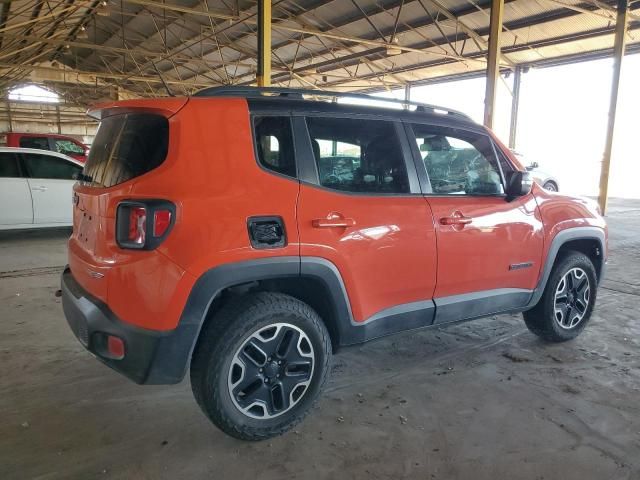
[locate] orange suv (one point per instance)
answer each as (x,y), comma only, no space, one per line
(246,234)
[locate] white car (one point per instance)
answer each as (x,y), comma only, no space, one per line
(36,188)
(541,177)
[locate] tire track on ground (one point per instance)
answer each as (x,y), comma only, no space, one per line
(32,272)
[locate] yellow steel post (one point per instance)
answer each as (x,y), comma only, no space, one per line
(618,54)
(264,43)
(493,61)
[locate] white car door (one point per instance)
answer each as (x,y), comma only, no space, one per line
(15,198)
(51,183)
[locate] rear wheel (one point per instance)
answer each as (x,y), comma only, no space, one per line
(260,365)
(567,303)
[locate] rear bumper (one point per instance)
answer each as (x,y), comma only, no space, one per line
(151,357)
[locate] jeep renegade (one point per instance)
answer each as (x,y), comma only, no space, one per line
(244,235)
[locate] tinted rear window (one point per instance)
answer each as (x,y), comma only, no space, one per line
(125,147)
(41,143)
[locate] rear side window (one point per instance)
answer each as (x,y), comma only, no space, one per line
(274,144)
(45,166)
(9,165)
(125,147)
(41,143)
(358,155)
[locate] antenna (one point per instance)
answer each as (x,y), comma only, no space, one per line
(166,87)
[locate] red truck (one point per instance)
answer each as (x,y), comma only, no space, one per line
(46,141)
(245,235)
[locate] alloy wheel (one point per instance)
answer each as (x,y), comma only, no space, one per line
(271,371)
(572,297)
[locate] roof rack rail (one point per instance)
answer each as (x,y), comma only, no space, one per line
(298,93)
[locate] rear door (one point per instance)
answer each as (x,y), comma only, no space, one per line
(51,182)
(15,197)
(362,210)
(489,247)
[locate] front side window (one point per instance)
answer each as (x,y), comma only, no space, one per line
(274,144)
(458,162)
(40,143)
(356,155)
(9,165)
(45,166)
(68,147)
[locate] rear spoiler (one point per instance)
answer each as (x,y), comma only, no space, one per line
(163,106)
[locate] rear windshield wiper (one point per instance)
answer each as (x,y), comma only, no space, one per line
(83,178)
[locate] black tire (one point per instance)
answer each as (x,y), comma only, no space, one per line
(551,186)
(544,320)
(219,351)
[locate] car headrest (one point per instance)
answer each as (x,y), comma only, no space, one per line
(436,144)
(380,155)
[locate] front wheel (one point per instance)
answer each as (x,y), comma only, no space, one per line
(551,186)
(567,302)
(260,365)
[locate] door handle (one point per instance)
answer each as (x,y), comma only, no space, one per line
(333,220)
(41,188)
(456,219)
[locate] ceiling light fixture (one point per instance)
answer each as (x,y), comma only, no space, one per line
(103,9)
(393,48)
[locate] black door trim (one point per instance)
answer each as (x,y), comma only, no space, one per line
(468,306)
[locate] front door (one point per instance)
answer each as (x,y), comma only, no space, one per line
(364,213)
(51,183)
(489,248)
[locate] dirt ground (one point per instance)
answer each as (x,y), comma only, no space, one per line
(481,400)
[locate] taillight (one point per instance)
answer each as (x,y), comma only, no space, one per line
(161,222)
(137,225)
(143,224)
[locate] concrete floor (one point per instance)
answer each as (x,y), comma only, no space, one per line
(482,400)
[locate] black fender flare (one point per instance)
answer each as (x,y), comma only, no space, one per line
(561,238)
(173,360)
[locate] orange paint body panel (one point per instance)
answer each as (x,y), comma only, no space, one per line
(478,256)
(216,185)
(211,176)
(560,212)
(387,258)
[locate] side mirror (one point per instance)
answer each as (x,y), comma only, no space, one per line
(518,184)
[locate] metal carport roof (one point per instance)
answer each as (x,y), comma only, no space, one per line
(95,49)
